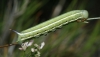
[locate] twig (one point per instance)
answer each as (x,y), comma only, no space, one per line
(93,18)
(8,45)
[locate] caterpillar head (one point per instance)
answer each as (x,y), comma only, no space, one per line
(84,16)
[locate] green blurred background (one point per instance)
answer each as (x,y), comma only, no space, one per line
(73,40)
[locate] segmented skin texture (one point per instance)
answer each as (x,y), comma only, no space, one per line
(52,24)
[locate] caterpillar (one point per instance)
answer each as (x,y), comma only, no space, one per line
(52,24)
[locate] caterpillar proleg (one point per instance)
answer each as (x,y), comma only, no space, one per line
(52,24)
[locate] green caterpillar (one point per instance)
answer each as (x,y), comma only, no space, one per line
(52,24)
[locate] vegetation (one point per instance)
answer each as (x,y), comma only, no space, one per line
(73,40)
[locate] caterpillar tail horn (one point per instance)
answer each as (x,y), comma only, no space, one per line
(15,31)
